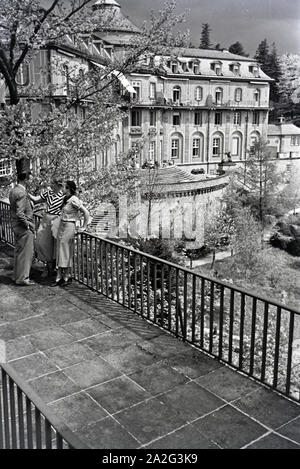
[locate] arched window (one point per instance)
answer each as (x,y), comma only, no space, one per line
(217,144)
(198,93)
(256,96)
(197,148)
(238,95)
(218,95)
(22,77)
(176,94)
(176,146)
(236,144)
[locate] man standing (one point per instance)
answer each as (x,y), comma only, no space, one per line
(23,228)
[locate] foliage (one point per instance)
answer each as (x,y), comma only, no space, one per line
(269,61)
(66,135)
(205,37)
(238,49)
(289,83)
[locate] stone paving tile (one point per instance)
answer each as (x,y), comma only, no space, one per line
(24,327)
(70,354)
(50,338)
(273,441)
(54,386)
(118,394)
(193,364)
(78,410)
(291,430)
(62,316)
(91,372)
(107,434)
(191,401)
(229,428)
(131,358)
(184,438)
(268,407)
(227,384)
(19,347)
(111,341)
(150,420)
(85,328)
(166,345)
(158,378)
(33,366)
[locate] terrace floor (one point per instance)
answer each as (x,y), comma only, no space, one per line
(119,382)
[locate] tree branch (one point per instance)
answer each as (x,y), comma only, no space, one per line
(35,31)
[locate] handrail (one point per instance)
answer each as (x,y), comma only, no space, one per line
(65,434)
(189,271)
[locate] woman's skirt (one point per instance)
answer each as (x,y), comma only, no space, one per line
(45,244)
(65,244)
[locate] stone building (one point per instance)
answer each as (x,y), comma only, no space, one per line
(191,108)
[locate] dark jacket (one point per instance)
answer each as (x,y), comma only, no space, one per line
(20,207)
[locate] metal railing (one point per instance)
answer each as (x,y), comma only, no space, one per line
(252,333)
(25,421)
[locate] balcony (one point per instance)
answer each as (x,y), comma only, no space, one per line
(141,353)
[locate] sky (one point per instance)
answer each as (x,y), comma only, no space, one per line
(246,21)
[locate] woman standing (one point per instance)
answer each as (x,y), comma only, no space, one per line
(45,243)
(71,210)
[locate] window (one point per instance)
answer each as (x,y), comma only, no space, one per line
(295,141)
(196,68)
(152,91)
(152,118)
(218,118)
(218,95)
(256,96)
(254,69)
(216,67)
(22,77)
(152,151)
(66,74)
(237,118)
(198,118)
(238,95)
(174,67)
(216,146)
(235,68)
(136,118)
(198,93)
(235,146)
(176,94)
(5,167)
(176,118)
(137,95)
(185,67)
(175,148)
(196,147)
(255,118)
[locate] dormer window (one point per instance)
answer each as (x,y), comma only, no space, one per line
(216,67)
(235,68)
(174,67)
(254,69)
(185,67)
(196,67)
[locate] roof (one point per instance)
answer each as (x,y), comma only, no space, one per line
(283,129)
(211,54)
(116,21)
(169,175)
